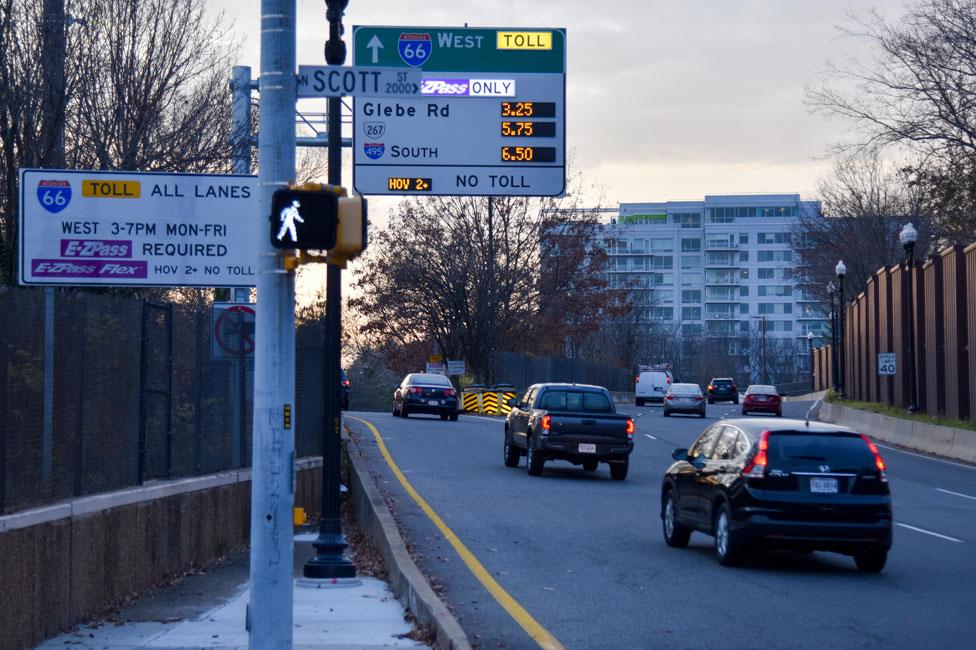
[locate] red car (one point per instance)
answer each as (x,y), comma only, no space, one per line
(762,398)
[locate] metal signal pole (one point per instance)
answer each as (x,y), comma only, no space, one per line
(330,560)
(271,608)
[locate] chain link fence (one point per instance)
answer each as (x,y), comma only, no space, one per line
(139,391)
(522,371)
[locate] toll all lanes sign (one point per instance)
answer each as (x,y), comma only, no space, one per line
(88,228)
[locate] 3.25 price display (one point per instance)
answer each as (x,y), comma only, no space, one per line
(529,154)
(526,129)
(528,109)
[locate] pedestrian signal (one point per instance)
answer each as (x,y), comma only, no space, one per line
(304,219)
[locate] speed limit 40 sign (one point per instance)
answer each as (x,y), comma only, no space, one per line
(886,363)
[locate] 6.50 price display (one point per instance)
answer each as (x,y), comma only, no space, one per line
(529,154)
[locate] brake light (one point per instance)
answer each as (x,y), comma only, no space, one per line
(546,422)
(416,390)
(669,397)
(449,392)
(630,428)
(711,387)
(698,398)
(757,467)
(637,379)
(345,382)
(734,388)
(668,379)
(878,460)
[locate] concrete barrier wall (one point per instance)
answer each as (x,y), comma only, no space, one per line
(948,442)
(62,564)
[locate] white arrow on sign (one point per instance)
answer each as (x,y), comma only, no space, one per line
(375,45)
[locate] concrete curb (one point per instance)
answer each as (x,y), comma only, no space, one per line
(406,580)
(958,444)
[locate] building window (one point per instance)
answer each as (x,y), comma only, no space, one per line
(744,308)
(691,330)
(744,291)
(691,296)
(687,219)
(781,238)
(743,256)
(691,262)
(691,313)
(744,239)
(691,245)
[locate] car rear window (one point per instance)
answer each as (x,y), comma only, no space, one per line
(430,380)
(566,400)
(800,451)
(762,390)
(685,389)
(724,383)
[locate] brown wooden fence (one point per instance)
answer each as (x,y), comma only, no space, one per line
(943,292)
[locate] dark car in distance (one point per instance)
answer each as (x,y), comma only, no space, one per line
(785,484)
(572,422)
(344,392)
(684,398)
(421,392)
(723,389)
(760,397)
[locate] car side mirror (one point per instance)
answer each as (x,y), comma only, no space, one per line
(680,454)
(513,402)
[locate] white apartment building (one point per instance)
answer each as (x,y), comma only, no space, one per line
(716,268)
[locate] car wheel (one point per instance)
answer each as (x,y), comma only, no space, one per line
(639,402)
(512,454)
(702,414)
(667,413)
(711,401)
(533,460)
(871,561)
(745,412)
(403,411)
(726,541)
(454,417)
(590,465)
(618,471)
(779,414)
(675,535)
(396,411)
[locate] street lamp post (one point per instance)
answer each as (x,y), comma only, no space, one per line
(330,560)
(831,294)
(810,350)
(908,237)
(841,271)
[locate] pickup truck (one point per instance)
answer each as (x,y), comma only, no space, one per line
(572,422)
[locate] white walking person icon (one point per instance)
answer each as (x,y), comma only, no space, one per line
(289,215)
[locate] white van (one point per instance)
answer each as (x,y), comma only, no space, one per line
(651,386)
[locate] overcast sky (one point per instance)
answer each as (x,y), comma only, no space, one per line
(666,99)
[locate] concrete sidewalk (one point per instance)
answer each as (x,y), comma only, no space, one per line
(208,610)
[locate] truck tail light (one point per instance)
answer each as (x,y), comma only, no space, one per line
(878,460)
(546,423)
(630,429)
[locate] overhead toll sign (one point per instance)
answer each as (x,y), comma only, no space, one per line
(489,120)
(137,229)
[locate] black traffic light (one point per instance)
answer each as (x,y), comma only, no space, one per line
(304,219)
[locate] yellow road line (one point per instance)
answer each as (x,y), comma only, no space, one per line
(541,635)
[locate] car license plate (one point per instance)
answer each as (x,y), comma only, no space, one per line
(823,485)
(432,402)
(587,449)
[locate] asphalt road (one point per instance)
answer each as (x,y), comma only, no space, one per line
(584,555)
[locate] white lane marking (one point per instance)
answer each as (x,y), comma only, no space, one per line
(912,453)
(929,532)
(481,417)
(958,494)
(650,436)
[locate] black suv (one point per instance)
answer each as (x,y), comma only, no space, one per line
(723,389)
(771,483)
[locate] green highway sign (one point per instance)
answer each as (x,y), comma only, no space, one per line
(490,119)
